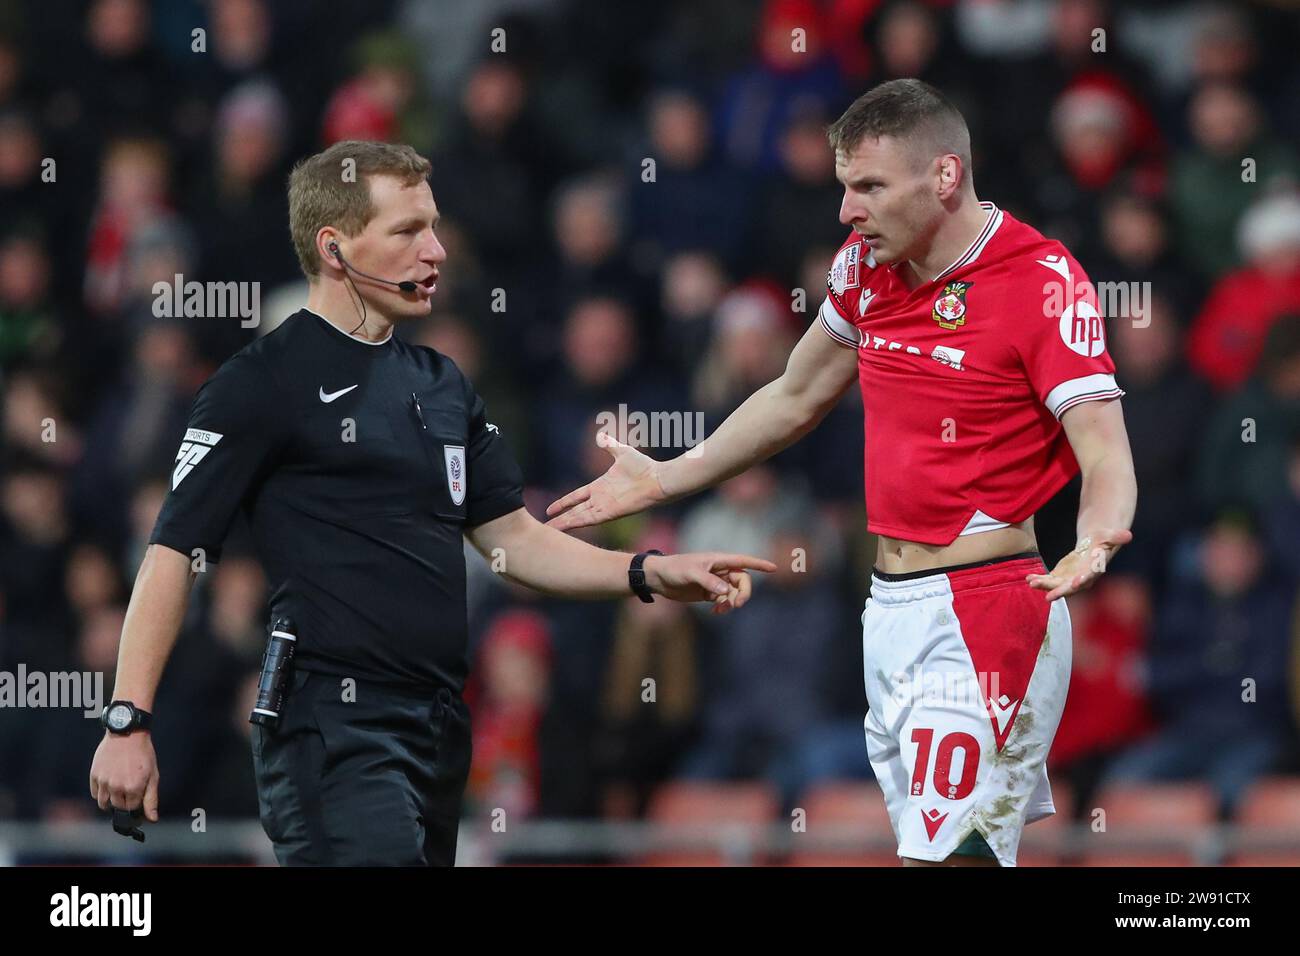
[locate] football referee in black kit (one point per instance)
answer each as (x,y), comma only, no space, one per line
(360,462)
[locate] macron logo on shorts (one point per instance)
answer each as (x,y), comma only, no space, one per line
(933,820)
(193,450)
(1003,711)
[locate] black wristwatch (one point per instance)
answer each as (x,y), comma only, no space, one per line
(121,717)
(636,577)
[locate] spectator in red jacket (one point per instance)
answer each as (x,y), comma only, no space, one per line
(1228,335)
(508,705)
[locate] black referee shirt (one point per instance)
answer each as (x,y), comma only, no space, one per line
(359,466)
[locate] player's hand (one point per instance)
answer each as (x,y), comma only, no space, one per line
(630,485)
(709,576)
(124,773)
(1082,566)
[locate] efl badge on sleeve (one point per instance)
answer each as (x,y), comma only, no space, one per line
(455,455)
(843,274)
(950,307)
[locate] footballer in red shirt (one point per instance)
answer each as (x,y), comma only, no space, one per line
(986,385)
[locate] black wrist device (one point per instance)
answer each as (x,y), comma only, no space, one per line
(636,577)
(121,717)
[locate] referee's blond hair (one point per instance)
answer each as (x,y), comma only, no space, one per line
(332,188)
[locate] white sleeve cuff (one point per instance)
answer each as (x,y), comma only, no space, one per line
(1089,388)
(838,327)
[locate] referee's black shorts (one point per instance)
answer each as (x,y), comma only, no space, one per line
(373,782)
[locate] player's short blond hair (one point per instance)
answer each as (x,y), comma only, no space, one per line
(332,188)
(909,110)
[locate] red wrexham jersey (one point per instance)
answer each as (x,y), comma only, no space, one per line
(965,378)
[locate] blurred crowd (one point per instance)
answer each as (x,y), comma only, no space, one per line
(639,208)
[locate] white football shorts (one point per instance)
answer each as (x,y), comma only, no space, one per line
(966,672)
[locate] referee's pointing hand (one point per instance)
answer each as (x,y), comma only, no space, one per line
(706,576)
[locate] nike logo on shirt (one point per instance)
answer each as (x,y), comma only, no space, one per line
(327,398)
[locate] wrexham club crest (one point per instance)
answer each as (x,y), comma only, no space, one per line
(950,307)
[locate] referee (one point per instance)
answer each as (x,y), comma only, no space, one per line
(360,462)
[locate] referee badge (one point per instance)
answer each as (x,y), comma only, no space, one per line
(455,457)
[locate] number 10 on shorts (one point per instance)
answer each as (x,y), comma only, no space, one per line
(923,737)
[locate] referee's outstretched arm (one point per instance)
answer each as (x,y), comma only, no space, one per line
(551,561)
(124,773)
(125,769)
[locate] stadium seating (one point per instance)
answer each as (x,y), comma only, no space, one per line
(748,807)
(1150,825)
(1268,824)
(856,807)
